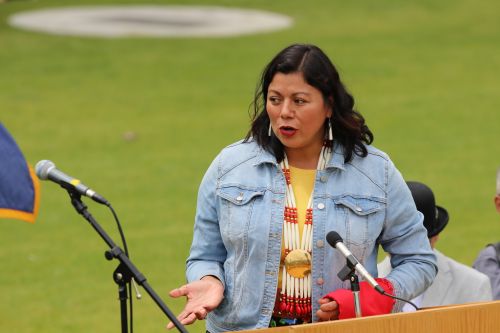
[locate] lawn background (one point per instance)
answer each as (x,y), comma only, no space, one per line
(425,74)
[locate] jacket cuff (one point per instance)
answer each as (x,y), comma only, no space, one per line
(372,303)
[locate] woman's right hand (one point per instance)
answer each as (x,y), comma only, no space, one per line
(202,297)
(328,309)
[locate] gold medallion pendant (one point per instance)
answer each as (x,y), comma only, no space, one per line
(298,263)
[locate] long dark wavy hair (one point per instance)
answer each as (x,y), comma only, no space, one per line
(348,125)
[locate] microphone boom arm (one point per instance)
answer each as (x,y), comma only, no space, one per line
(126,269)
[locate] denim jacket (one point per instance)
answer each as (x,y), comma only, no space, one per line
(239,220)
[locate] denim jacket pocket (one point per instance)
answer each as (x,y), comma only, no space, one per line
(360,205)
(239,195)
(237,207)
(363,219)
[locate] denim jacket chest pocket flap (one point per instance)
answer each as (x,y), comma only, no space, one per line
(240,207)
(360,205)
(239,195)
(359,220)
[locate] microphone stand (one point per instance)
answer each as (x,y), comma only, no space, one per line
(125,270)
(348,272)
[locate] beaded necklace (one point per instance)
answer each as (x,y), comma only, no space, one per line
(295,293)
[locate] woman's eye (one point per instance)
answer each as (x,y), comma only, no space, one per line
(300,101)
(274,99)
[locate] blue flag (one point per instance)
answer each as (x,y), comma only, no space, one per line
(19,187)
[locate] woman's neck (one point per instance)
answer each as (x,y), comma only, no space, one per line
(303,159)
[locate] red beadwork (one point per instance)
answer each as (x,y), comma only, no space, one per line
(309,216)
(282,307)
(299,310)
(286,172)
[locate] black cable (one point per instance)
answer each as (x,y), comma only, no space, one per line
(119,229)
(401,299)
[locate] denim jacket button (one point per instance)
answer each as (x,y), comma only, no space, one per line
(323,179)
(320,281)
(321,205)
(320,243)
(359,209)
(239,197)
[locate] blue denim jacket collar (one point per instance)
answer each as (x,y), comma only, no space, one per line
(264,156)
(337,160)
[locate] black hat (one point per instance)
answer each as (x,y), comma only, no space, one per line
(435,217)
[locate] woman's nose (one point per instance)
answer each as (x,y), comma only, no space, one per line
(286,109)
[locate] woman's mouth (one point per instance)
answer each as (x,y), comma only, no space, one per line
(287,131)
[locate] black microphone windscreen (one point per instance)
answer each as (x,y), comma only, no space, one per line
(333,238)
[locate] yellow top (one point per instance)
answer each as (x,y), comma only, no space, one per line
(303,185)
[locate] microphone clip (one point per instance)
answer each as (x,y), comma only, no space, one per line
(346,272)
(349,269)
(76,199)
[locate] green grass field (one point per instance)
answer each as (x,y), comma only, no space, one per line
(425,74)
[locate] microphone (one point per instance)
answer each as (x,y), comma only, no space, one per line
(334,239)
(46,170)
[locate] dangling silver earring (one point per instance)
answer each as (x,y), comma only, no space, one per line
(270,131)
(330,133)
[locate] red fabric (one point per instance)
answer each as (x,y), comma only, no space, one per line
(372,302)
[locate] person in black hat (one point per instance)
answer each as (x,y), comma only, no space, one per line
(435,217)
(455,283)
(488,260)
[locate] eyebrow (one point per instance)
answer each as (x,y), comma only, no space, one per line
(296,93)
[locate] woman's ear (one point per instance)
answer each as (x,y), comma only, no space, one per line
(329,106)
(329,112)
(497,202)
